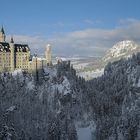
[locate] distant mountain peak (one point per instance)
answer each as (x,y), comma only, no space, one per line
(125,44)
(121,49)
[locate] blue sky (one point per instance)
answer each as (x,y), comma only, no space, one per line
(73,27)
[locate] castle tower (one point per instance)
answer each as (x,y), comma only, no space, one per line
(2,35)
(48,55)
(12,48)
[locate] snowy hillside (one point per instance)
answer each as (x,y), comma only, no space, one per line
(63,106)
(121,49)
(44,109)
(88,75)
(89,68)
(116,100)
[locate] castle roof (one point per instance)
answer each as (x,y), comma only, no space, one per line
(5,47)
(21,48)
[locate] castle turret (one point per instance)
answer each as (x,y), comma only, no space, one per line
(12,48)
(48,55)
(2,35)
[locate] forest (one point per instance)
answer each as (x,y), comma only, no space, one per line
(50,108)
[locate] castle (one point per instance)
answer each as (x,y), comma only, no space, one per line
(17,56)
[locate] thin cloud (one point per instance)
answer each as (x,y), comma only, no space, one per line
(91,22)
(128,21)
(96,41)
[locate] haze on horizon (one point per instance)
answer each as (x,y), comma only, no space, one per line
(74,28)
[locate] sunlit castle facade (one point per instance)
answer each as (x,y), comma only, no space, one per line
(17,56)
(40,63)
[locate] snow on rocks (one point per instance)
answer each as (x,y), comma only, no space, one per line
(30,85)
(64,87)
(88,75)
(17,72)
(87,132)
(62,84)
(11,108)
(80,66)
(50,72)
(121,49)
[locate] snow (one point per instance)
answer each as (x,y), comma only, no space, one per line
(61,59)
(138,135)
(63,87)
(80,66)
(8,136)
(91,74)
(138,84)
(16,72)
(30,85)
(116,50)
(120,49)
(86,133)
(10,109)
(40,58)
(51,71)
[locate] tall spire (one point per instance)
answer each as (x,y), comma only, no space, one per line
(12,40)
(48,54)
(2,30)
(2,35)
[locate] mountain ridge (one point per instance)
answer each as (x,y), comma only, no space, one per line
(122,49)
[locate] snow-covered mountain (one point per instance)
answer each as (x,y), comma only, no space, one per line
(121,49)
(92,67)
